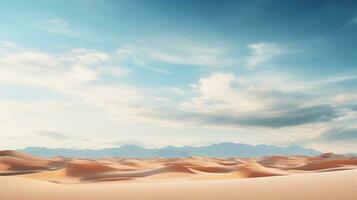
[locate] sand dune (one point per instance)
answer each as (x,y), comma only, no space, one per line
(179,177)
(177,168)
(86,168)
(327,164)
(338,185)
(252,170)
(76,170)
(284,162)
(12,162)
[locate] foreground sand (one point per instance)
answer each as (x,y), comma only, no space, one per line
(325,177)
(338,185)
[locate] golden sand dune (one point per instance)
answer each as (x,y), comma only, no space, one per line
(284,162)
(327,164)
(252,170)
(76,170)
(13,162)
(202,173)
(177,168)
(85,168)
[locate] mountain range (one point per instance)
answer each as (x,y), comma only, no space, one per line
(224,150)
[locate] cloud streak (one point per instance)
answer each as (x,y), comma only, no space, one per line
(177,52)
(59,26)
(340,134)
(51,134)
(262,52)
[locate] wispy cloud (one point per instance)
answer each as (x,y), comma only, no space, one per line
(339,134)
(8,44)
(354,20)
(58,22)
(51,134)
(332,136)
(262,52)
(59,26)
(154,69)
(176,52)
(87,57)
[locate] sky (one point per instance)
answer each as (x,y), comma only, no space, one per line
(99,73)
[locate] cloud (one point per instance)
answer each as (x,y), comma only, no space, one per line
(286,118)
(332,135)
(59,22)
(51,134)
(339,134)
(8,44)
(115,71)
(218,101)
(60,91)
(87,57)
(55,71)
(178,52)
(222,101)
(336,79)
(219,92)
(70,74)
(59,26)
(346,98)
(354,20)
(40,69)
(154,69)
(291,117)
(262,52)
(347,101)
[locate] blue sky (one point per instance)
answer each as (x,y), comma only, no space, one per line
(94,74)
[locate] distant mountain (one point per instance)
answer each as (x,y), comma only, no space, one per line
(215,150)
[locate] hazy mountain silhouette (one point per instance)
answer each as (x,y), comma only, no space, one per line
(214,150)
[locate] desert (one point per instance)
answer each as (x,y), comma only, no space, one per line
(178,100)
(328,176)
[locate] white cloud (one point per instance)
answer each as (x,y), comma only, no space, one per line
(176,90)
(38,69)
(215,92)
(225,93)
(83,74)
(59,26)
(28,58)
(116,71)
(346,98)
(87,57)
(69,74)
(58,22)
(154,69)
(33,67)
(82,99)
(262,52)
(182,52)
(222,101)
(8,44)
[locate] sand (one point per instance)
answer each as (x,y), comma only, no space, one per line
(278,177)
